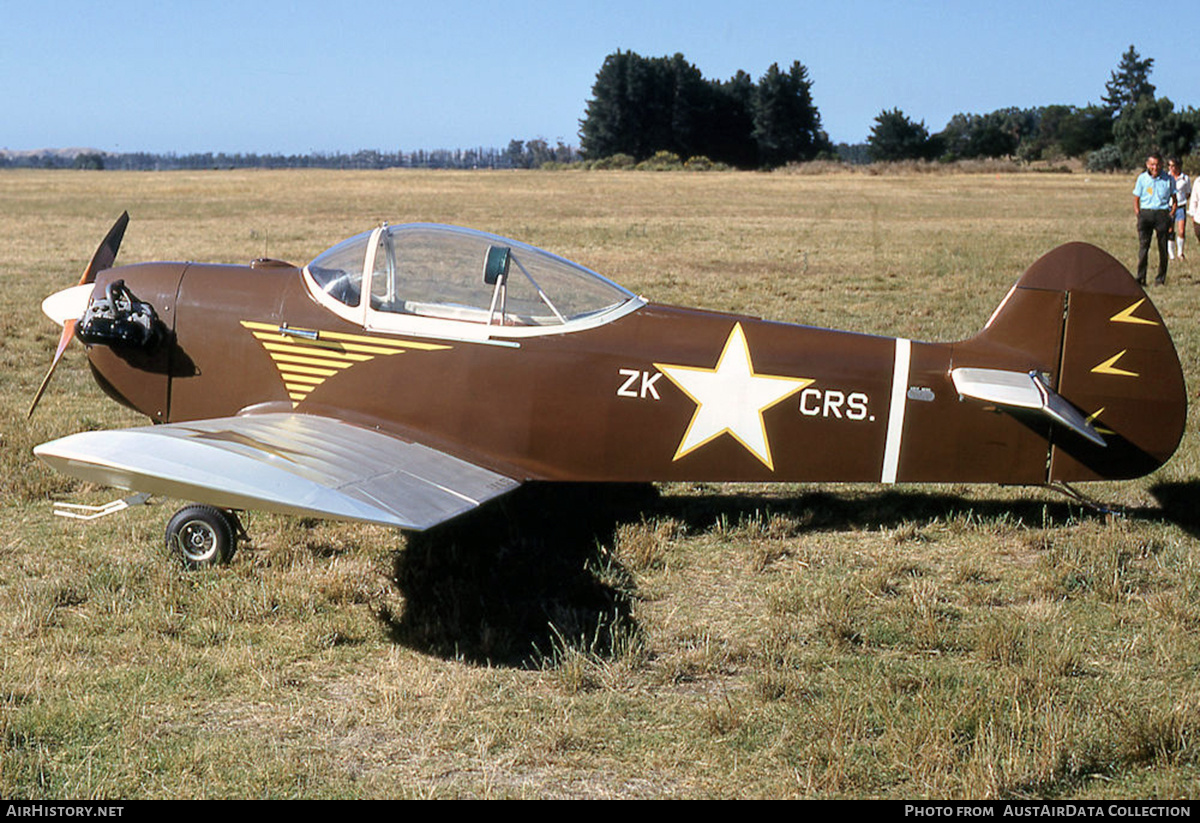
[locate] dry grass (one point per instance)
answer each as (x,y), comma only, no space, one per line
(690,641)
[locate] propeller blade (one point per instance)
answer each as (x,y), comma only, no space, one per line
(106,252)
(64,339)
(105,256)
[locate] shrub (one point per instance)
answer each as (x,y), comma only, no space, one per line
(614,161)
(1105,158)
(661,161)
(702,163)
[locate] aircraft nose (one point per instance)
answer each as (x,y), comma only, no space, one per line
(68,304)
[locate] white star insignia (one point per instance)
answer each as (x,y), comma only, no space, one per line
(731,398)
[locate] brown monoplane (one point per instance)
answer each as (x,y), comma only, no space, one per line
(413,372)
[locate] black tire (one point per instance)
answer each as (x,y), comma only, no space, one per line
(201,536)
(235,526)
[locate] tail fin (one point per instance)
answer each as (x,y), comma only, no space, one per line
(1080,316)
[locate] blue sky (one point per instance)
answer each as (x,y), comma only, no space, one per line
(297,77)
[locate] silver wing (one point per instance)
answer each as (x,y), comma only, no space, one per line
(290,463)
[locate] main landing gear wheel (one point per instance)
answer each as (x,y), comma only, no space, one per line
(203,536)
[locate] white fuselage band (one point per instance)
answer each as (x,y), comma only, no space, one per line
(895,429)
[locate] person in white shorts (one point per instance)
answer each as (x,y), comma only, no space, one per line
(1183,190)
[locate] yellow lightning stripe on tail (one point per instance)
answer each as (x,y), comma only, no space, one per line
(308,359)
(1126,315)
(1094,416)
(1109,366)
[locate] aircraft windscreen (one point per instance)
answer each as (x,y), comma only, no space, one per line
(444,271)
(453,273)
(338,271)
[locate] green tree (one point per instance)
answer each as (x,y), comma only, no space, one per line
(516,154)
(787,125)
(1084,130)
(539,152)
(91,161)
(1129,83)
(1153,125)
(895,137)
(996,134)
(649,109)
(642,105)
(692,100)
(730,133)
(607,127)
(1043,140)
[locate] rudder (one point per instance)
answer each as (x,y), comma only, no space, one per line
(1115,363)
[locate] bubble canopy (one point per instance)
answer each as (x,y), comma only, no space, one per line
(453,281)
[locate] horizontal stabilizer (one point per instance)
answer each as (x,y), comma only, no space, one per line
(1022,390)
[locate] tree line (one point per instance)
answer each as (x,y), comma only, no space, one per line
(641,106)
(1119,132)
(519,154)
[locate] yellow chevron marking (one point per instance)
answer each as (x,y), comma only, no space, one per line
(317,346)
(332,357)
(305,360)
(1109,367)
(1094,416)
(305,363)
(303,378)
(1125,315)
(379,341)
(385,342)
(327,345)
(293,368)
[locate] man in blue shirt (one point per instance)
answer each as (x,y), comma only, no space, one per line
(1154,206)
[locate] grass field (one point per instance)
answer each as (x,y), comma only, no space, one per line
(687,641)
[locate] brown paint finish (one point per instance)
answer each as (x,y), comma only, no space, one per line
(1125,372)
(948,439)
(553,408)
(226,371)
(140,380)
(611,402)
(959,440)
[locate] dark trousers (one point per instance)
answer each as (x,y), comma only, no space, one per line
(1158,223)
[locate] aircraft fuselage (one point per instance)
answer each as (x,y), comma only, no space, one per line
(662,393)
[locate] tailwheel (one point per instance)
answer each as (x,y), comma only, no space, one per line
(203,536)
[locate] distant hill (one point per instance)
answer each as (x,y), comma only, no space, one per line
(59,154)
